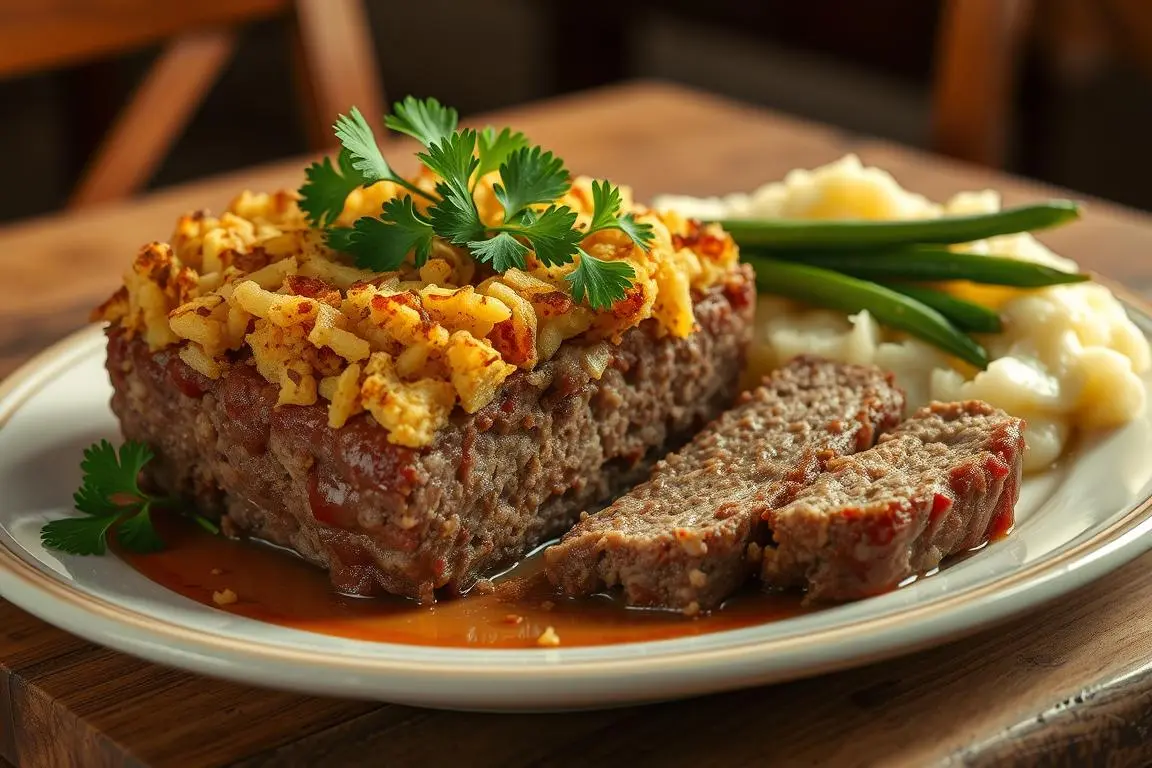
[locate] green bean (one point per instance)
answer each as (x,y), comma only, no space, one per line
(825,288)
(822,235)
(930,264)
(965,315)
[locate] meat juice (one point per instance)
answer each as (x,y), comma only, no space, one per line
(277,587)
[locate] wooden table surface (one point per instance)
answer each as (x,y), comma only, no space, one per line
(1066,683)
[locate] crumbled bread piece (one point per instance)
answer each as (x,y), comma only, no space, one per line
(224,597)
(548,638)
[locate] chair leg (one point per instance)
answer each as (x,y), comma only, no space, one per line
(155,117)
(976,53)
(337,66)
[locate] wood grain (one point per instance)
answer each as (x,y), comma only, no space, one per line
(335,64)
(977,50)
(335,68)
(52,33)
(160,108)
(1057,686)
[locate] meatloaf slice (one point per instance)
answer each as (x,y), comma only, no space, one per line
(943,482)
(691,535)
(385,518)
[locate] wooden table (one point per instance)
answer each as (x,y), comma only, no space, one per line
(1071,681)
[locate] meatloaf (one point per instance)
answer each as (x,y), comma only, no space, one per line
(943,482)
(384,518)
(693,533)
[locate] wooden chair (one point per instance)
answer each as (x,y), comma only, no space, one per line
(980,44)
(334,51)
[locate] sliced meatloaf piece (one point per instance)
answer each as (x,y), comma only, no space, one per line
(943,482)
(494,484)
(691,535)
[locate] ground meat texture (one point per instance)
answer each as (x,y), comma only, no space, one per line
(943,482)
(693,533)
(383,518)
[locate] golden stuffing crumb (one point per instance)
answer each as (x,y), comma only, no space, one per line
(548,638)
(224,597)
(692,608)
(216,572)
(697,578)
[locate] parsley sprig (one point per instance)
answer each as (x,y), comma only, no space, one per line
(110,497)
(531,180)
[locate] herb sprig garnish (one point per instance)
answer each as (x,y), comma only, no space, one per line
(110,497)
(531,180)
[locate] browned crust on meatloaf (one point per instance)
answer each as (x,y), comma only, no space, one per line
(384,518)
(690,535)
(943,482)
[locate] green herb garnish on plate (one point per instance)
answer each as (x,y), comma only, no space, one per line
(110,498)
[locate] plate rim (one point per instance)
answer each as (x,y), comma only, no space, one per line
(387,674)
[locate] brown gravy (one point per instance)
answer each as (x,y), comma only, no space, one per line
(276,587)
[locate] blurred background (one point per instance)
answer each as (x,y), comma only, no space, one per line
(1053,89)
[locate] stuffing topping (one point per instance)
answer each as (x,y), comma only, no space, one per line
(259,286)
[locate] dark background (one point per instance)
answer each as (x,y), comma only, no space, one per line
(1084,116)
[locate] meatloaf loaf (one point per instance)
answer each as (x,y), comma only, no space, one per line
(943,482)
(693,533)
(388,518)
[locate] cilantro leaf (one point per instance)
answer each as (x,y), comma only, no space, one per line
(401,212)
(503,252)
(107,474)
(426,120)
(138,534)
(78,535)
(326,188)
(530,175)
(360,142)
(109,497)
(494,148)
(550,232)
(453,157)
(341,238)
(601,282)
(381,244)
(530,178)
(455,217)
(606,205)
(640,232)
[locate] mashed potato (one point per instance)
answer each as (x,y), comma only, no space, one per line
(1069,358)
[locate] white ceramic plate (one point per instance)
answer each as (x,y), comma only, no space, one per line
(1074,524)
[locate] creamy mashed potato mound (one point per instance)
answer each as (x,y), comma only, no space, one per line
(257,286)
(1069,358)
